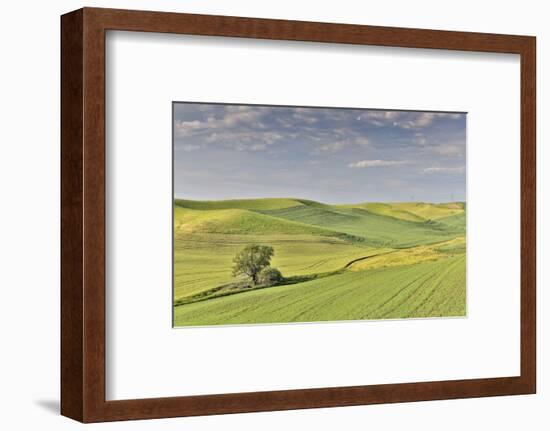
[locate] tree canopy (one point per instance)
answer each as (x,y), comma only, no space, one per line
(270,276)
(251,260)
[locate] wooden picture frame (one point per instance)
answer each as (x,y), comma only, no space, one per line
(83,386)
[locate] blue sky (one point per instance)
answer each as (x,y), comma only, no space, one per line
(331,155)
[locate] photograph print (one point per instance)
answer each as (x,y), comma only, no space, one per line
(287,214)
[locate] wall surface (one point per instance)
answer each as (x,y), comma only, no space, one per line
(29,216)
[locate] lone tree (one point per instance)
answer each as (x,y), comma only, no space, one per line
(251,260)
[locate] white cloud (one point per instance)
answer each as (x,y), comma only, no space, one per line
(420,139)
(189,147)
(377,163)
(184,128)
(405,119)
(416,120)
(242,115)
(305,115)
(338,144)
(362,141)
(232,116)
(381,115)
(445,170)
(256,147)
(270,137)
(423,119)
(450,150)
(379,118)
(241,140)
(331,147)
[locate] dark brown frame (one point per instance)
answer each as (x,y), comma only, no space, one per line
(83,214)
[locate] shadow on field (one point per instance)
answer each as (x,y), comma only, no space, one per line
(240,287)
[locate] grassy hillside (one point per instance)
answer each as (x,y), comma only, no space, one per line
(385,209)
(457,221)
(375,229)
(203,261)
(339,261)
(412,255)
(428,289)
(411,211)
(245,204)
(239,221)
(431,211)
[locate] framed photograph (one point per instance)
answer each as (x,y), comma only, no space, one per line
(245,255)
(267,215)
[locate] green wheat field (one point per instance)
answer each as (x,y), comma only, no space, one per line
(339,262)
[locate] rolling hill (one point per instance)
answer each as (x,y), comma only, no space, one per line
(243,204)
(239,221)
(374,228)
(362,252)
